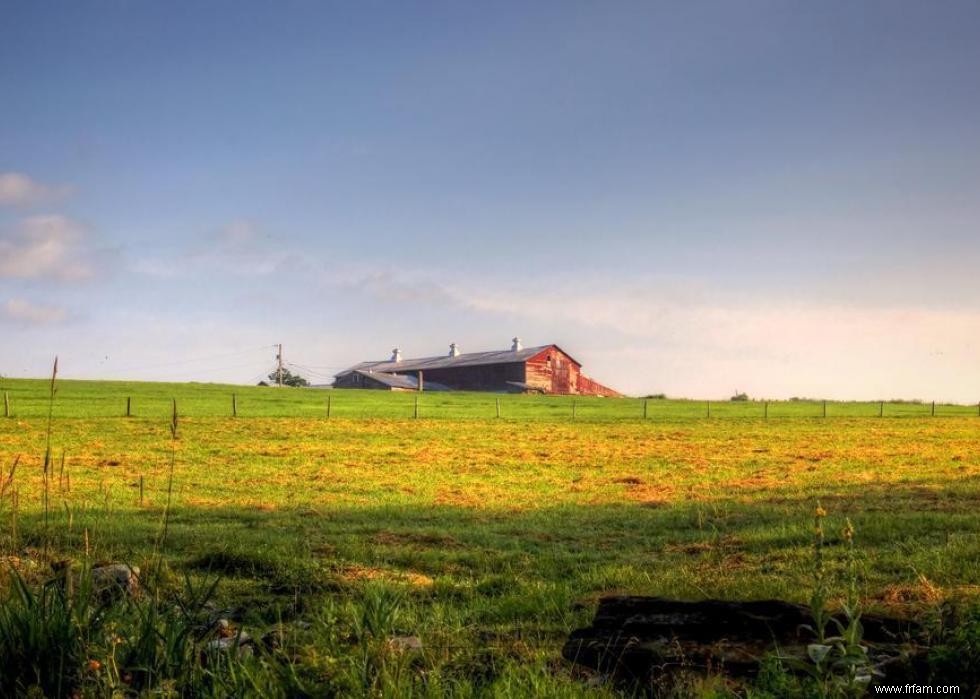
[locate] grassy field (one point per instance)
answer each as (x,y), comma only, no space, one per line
(495,536)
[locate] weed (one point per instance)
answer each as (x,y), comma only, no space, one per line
(170,477)
(837,664)
(43,638)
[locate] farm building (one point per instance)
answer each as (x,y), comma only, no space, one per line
(543,369)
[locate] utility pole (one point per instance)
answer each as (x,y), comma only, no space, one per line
(279,366)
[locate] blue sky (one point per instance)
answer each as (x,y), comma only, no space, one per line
(775,197)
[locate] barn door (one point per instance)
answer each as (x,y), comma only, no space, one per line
(559,381)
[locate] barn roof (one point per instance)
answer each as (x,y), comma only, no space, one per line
(444,361)
(391,380)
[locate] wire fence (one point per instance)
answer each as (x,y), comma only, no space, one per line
(27,399)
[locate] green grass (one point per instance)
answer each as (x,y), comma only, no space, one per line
(499,535)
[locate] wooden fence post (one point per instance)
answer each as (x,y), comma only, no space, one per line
(573,409)
(416,407)
(825,408)
(328,407)
(645,405)
(934,408)
(234,405)
(765,410)
(129,406)
(707,405)
(881,409)
(498,407)
(6,404)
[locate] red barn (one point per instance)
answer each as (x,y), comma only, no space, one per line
(543,369)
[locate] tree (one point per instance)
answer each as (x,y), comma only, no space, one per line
(288,378)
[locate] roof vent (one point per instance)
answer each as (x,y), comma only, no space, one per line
(396,355)
(453,350)
(517,346)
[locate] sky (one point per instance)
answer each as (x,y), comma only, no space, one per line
(697,198)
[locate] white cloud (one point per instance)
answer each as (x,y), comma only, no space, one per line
(48,246)
(21,311)
(17,189)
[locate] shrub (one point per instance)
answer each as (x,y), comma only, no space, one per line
(288,378)
(956,659)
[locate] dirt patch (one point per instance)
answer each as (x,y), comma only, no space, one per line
(415,539)
(692,549)
(456,497)
(352,574)
(920,593)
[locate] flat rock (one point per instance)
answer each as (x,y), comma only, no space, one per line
(405,643)
(641,638)
(240,644)
(116,579)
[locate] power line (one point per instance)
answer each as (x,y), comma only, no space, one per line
(319,366)
(307,369)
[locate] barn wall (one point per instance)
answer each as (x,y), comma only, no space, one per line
(350,380)
(553,371)
(486,377)
(590,387)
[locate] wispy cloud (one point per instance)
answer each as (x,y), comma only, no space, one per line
(50,246)
(239,248)
(18,189)
(28,313)
(390,286)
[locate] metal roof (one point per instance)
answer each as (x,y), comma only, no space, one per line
(445,361)
(391,380)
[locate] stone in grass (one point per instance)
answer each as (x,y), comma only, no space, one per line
(239,644)
(405,644)
(116,580)
(646,639)
(273,640)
